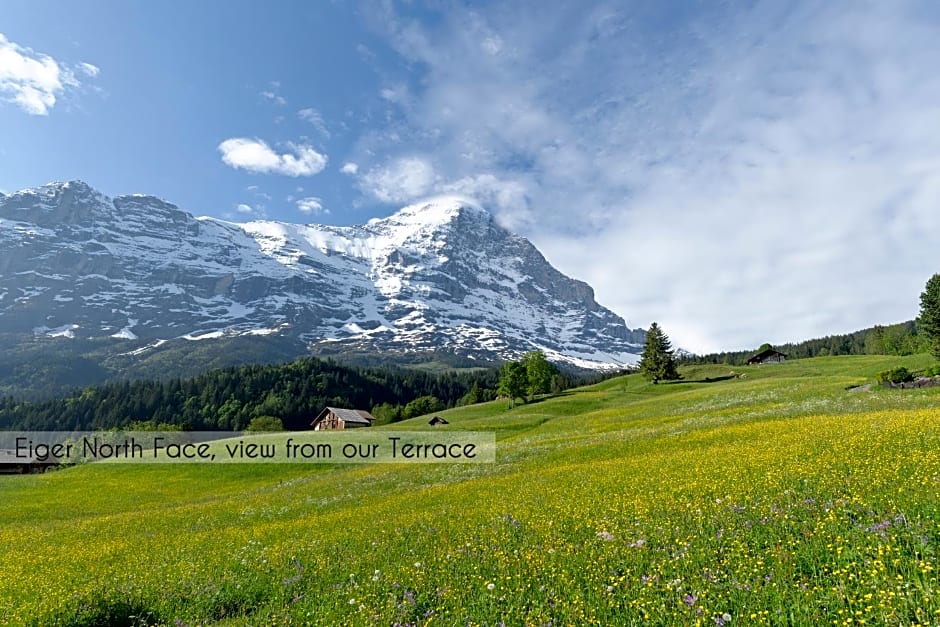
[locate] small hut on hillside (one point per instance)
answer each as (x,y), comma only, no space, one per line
(437,421)
(769,356)
(335,418)
(13,464)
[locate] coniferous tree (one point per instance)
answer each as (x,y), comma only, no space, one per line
(658,362)
(929,320)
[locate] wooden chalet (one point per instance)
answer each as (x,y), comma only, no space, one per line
(769,356)
(11,464)
(332,418)
(437,421)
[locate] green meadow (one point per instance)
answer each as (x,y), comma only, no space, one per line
(738,496)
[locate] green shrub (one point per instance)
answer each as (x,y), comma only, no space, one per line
(423,405)
(895,375)
(265,423)
(932,371)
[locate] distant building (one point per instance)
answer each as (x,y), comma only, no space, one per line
(769,356)
(437,421)
(11,464)
(335,418)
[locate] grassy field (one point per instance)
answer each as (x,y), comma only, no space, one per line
(779,497)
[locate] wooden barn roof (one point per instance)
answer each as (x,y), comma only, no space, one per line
(8,457)
(765,354)
(356,416)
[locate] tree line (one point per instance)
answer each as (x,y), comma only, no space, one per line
(921,335)
(293,393)
(905,338)
(229,398)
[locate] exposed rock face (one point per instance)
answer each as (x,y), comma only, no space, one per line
(439,275)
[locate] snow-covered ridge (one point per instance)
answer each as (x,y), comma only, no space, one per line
(439,275)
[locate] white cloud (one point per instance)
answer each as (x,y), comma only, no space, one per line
(508,195)
(739,176)
(400,180)
(254,155)
(89,69)
(254,211)
(257,192)
(311,204)
(349,168)
(313,117)
(491,45)
(34,81)
(398,94)
(272,94)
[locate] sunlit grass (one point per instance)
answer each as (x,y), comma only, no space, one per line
(777,498)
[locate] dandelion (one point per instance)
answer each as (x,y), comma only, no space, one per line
(491,586)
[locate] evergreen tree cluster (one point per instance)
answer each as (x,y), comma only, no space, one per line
(230,398)
(929,319)
(906,338)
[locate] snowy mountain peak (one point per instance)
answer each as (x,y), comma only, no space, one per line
(437,276)
(71,202)
(436,211)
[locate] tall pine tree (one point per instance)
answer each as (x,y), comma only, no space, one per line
(929,321)
(658,362)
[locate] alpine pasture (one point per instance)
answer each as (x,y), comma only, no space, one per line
(780,497)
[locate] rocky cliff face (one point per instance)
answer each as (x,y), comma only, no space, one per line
(436,276)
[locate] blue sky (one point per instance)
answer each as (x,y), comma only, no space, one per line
(740,172)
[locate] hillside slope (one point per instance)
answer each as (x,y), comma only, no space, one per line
(779,497)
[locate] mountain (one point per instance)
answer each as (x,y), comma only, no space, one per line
(135,274)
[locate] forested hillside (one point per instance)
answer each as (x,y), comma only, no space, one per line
(230,398)
(895,339)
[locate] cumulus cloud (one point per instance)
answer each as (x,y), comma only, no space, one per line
(311,204)
(255,155)
(400,180)
(349,168)
(34,81)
